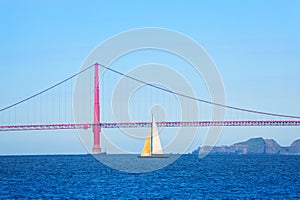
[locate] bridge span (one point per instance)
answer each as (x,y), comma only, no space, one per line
(148,124)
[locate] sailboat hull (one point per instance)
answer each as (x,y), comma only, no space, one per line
(154,156)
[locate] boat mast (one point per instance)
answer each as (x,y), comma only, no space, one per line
(151,138)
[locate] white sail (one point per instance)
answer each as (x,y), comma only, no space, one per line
(156,145)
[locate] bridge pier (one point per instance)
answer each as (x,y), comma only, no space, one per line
(96,127)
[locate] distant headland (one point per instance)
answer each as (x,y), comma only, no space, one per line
(254,146)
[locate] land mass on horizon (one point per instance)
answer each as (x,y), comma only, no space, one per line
(253,146)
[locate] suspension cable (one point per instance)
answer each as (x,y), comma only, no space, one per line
(200,100)
(154,86)
(43,91)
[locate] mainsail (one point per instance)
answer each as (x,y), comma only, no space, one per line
(156,146)
(152,144)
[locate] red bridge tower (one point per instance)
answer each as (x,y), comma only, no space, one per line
(96,128)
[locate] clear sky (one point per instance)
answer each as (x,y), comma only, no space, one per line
(255,45)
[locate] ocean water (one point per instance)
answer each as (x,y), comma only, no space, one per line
(213,177)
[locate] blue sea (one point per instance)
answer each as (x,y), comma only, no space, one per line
(213,177)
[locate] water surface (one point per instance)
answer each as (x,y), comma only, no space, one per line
(219,176)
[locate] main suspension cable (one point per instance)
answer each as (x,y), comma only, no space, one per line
(200,100)
(43,91)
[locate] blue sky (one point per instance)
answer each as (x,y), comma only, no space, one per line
(255,45)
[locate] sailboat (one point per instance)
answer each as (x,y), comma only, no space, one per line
(152,147)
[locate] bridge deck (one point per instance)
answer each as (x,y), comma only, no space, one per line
(148,124)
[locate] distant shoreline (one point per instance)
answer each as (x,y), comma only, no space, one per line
(188,154)
(253,146)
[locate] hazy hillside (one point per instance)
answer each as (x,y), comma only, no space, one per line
(255,146)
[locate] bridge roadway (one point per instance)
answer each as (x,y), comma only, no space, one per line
(29,127)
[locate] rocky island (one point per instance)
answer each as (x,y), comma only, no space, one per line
(254,146)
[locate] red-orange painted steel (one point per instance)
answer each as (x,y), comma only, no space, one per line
(32,127)
(97,128)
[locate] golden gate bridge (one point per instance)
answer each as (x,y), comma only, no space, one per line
(10,113)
